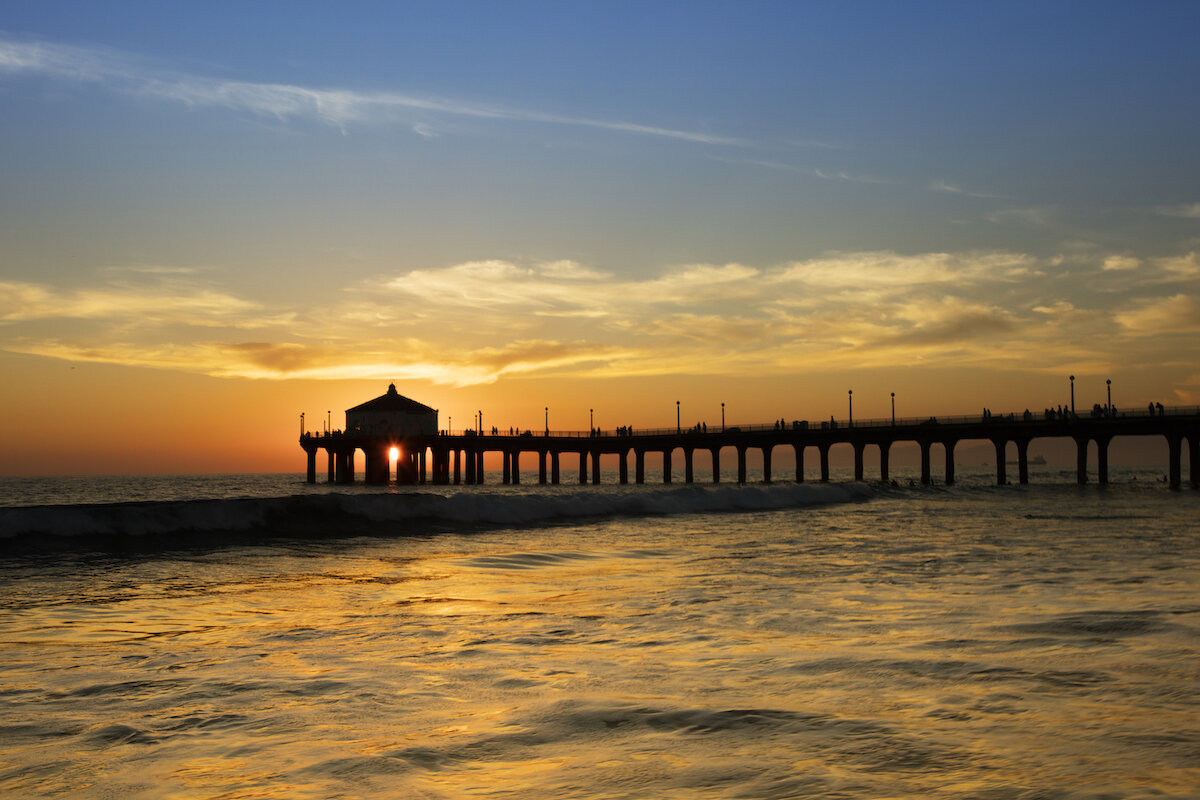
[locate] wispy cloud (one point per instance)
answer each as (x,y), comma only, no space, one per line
(842,175)
(187,304)
(1187,211)
(948,188)
(338,107)
(1177,314)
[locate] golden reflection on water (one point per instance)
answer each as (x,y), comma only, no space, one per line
(767,655)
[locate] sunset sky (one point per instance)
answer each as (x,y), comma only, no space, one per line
(215,216)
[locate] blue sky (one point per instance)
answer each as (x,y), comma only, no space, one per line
(497,192)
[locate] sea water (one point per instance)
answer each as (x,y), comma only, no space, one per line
(256,637)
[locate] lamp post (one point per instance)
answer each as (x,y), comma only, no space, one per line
(449,425)
(893,409)
(1072,395)
(591,420)
(301,423)
(722,417)
(678,427)
(480,431)
(547,420)
(329,421)
(1108,383)
(850,399)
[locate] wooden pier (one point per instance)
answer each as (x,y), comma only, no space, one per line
(453,458)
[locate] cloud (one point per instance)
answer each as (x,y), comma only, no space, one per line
(1121,263)
(891,270)
(174,303)
(1187,211)
(1181,268)
(1162,316)
(480,321)
(338,107)
(942,186)
(842,175)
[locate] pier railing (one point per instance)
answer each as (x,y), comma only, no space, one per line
(1047,415)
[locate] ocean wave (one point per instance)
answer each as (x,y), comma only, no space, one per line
(346,514)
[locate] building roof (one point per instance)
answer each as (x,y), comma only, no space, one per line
(393,401)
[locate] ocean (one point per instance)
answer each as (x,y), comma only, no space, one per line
(258,637)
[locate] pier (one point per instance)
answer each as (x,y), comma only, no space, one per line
(443,457)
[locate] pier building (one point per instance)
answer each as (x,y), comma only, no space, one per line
(427,455)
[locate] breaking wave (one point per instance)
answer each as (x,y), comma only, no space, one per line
(387,514)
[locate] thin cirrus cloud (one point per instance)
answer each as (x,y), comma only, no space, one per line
(338,107)
(20,301)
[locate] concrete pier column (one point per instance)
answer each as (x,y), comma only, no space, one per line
(406,469)
(421,466)
(884,447)
(583,458)
(949,461)
(926,478)
(1193,457)
(1001,446)
(624,471)
(1023,461)
(516,467)
(1081,445)
(799,463)
(766,451)
(469,456)
(667,465)
(716,459)
(541,466)
(823,449)
(479,467)
(596,468)
(457,466)
(687,465)
(1175,468)
(554,467)
(1102,459)
(346,466)
(439,466)
(741,453)
(332,464)
(639,465)
(506,466)
(858,460)
(311,464)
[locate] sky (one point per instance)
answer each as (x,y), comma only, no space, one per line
(217,216)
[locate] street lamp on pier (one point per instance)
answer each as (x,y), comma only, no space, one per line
(301,423)
(329,421)
(893,409)
(1108,384)
(591,420)
(678,426)
(547,420)
(480,431)
(850,399)
(1072,395)
(722,417)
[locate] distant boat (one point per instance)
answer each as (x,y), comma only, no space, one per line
(1036,461)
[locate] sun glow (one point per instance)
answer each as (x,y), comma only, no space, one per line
(394,455)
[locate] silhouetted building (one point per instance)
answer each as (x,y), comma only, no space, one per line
(394,414)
